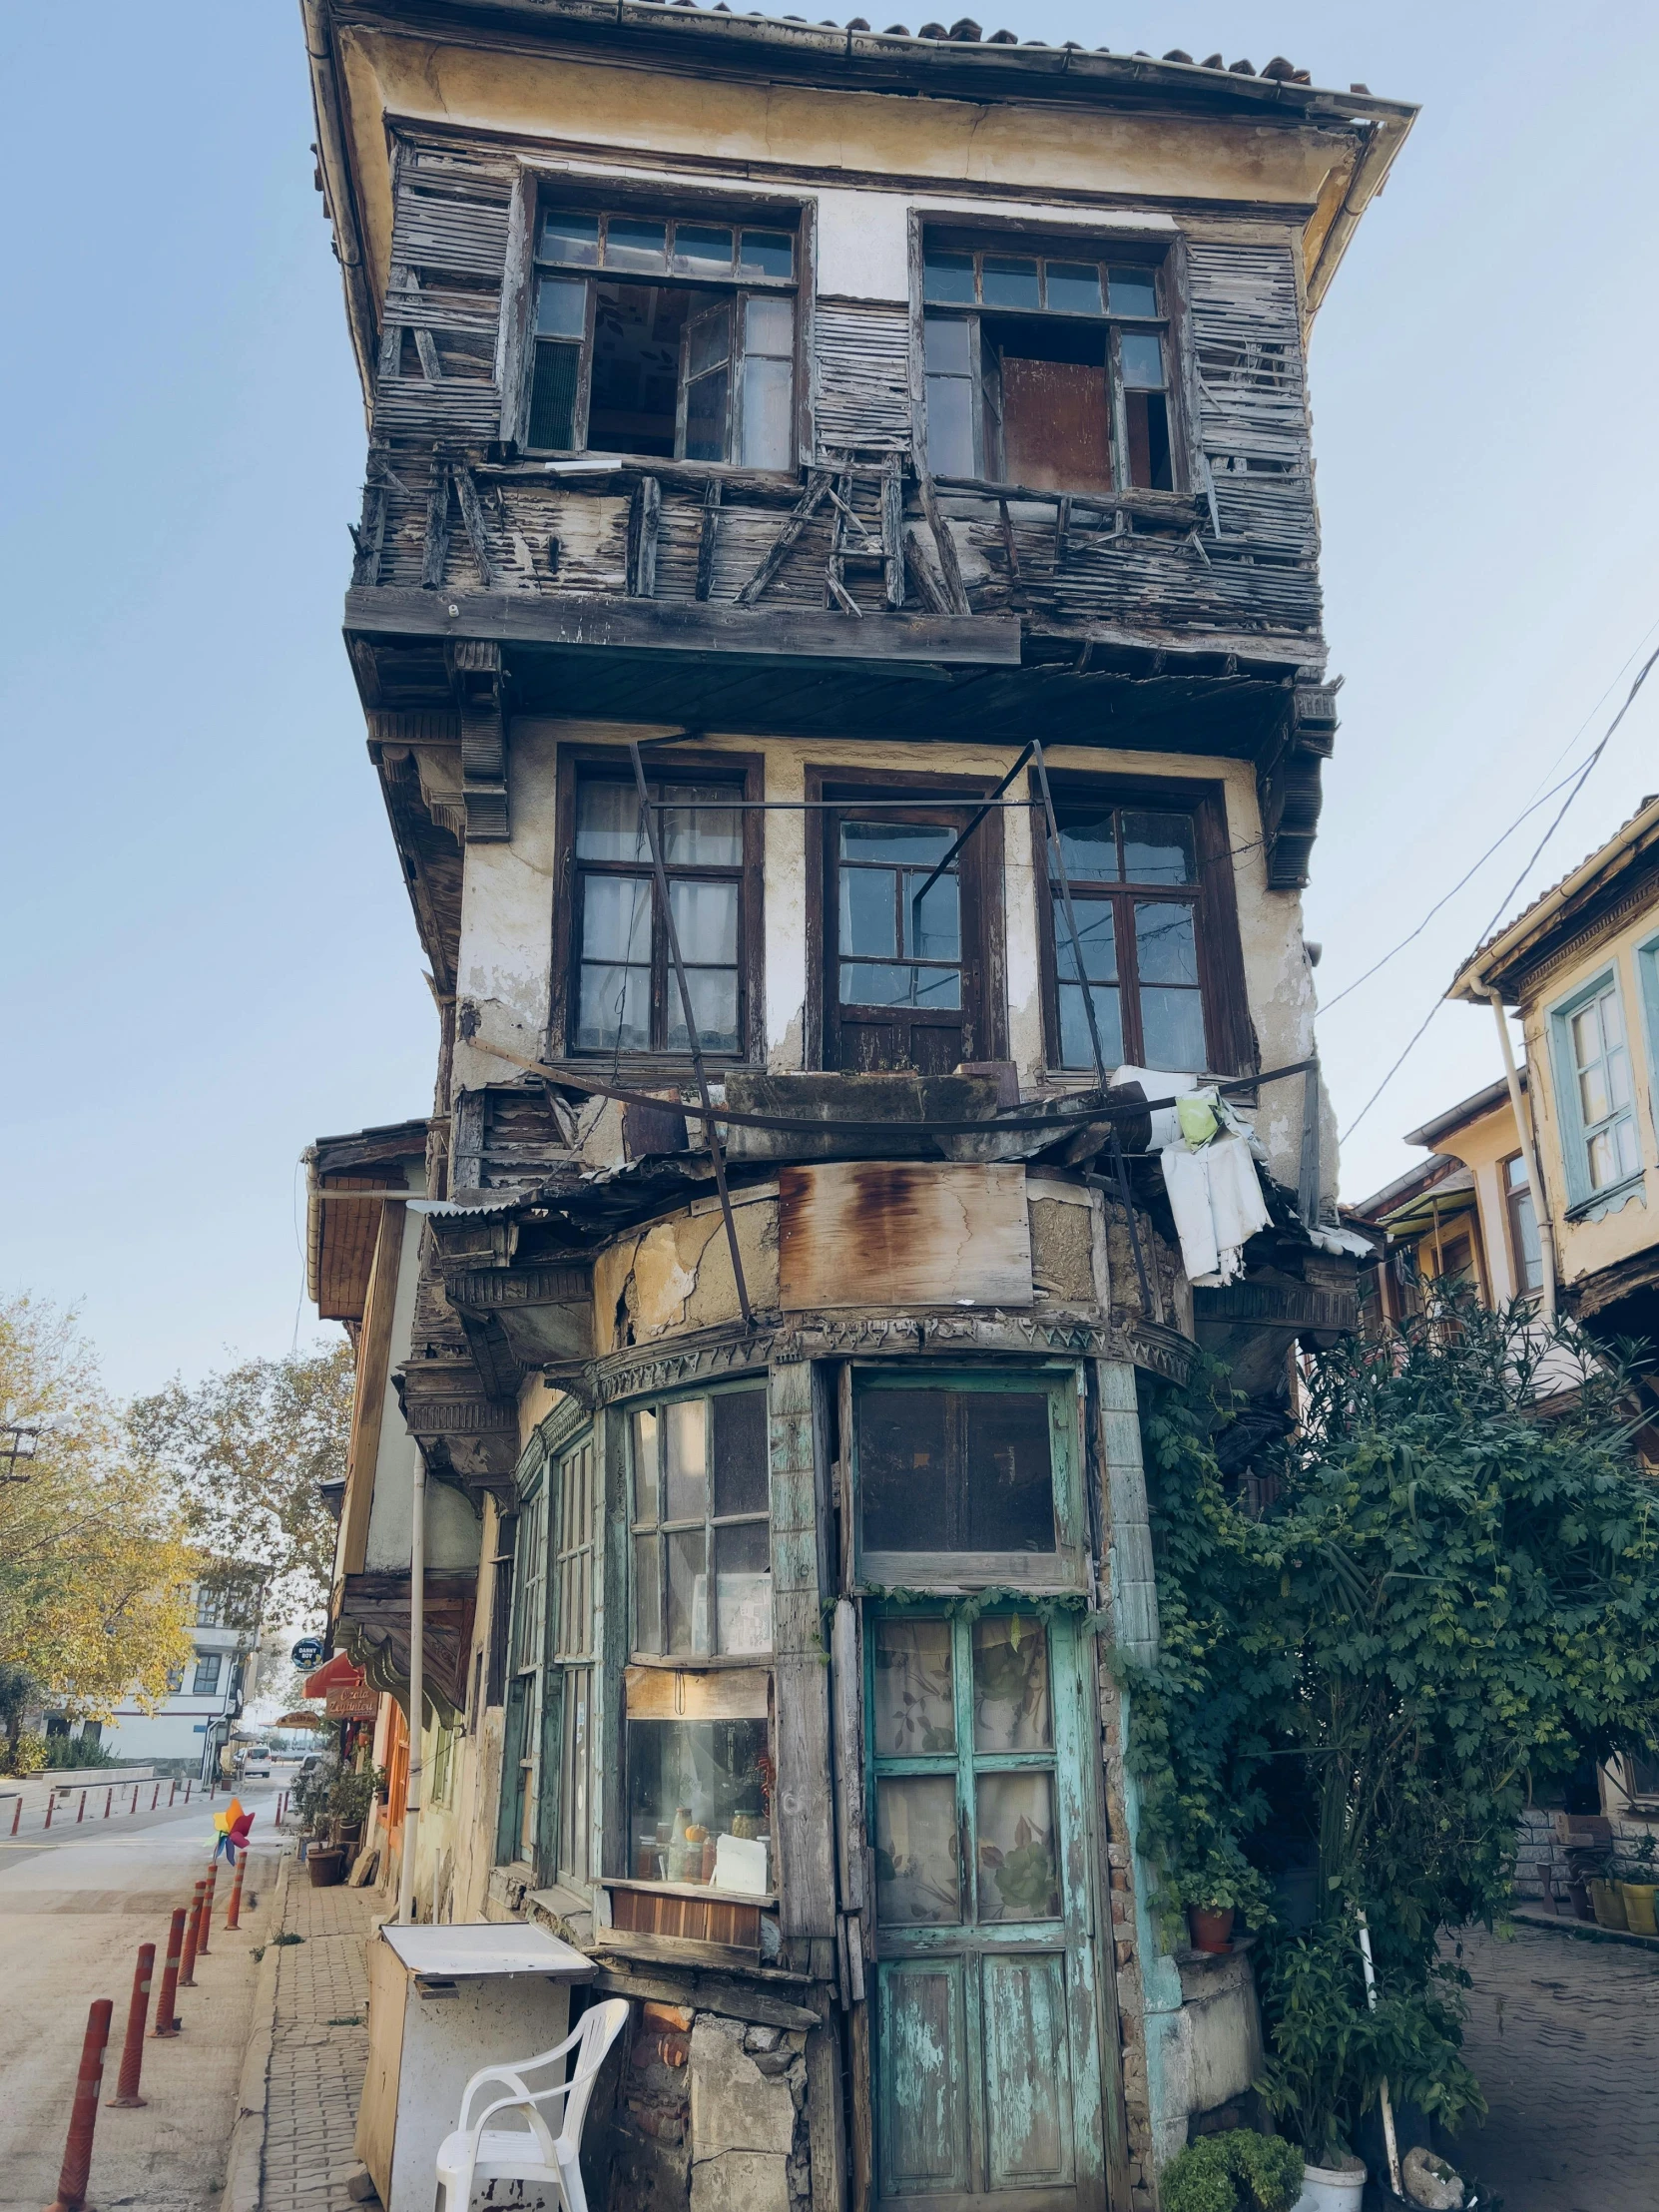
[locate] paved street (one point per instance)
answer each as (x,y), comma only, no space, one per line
(320,2049)
(74,1908)
(1564,2036)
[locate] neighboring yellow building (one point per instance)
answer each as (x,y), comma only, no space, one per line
(1582,965)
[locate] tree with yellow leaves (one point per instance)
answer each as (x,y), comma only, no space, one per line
(95,1573)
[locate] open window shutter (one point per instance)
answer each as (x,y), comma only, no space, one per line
(518,288)
(509,1812)
(705,379)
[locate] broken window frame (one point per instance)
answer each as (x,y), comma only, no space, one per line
(1229,1032)
(744,773)
(574,1567)
(835,794)
(661,1527)
(1161,264)
(737,287)
(1064,1568)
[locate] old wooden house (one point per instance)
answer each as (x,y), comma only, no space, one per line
(836,613)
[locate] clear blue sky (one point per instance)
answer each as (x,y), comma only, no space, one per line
(209,956)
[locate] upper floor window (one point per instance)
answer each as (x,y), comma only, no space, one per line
(1593,1091)
(1525,1247)
(664,335)
(1157,944)
(1049,369)
(702,1531)
(619,987)
(206,1681)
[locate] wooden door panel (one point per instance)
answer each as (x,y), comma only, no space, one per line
(1054,425)
(1028,2093)
(925,2078)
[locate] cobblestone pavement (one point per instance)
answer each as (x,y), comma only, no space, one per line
(319,2051)
(1564,2036)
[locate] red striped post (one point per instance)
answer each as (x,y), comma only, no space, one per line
(167,2020)
(233,1914)
(81,1809)
(17,1812)
(206,1912)
(50,1800)
(109,1800)
(83,2116)
(134,1796)
(131,2050)
(188,1780)
(193,1932)
(154,1797)
(171,1790)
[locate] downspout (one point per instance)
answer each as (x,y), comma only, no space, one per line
(336,166)
(417,1689)
(1535,1182)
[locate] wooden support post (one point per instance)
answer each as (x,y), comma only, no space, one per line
(950,568)
(707,538)
(435,553)
(892,528)
(643,523)
(472,515)
(1016,583)
(817,486)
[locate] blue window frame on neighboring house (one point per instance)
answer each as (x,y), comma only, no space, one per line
(1589,1046)
(1647,983)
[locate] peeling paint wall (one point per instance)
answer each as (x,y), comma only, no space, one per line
(504,974)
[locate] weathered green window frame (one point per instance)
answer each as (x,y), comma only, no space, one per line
(660,1529)
(1582,1197)
(1064,1568)
(526,1657)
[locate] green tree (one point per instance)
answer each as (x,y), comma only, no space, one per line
(244,1452)
(95,1571)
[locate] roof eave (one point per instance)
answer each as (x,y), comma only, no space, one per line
(1501,963)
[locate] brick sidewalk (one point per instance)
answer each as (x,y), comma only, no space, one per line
(316,2062)
(1565,2038)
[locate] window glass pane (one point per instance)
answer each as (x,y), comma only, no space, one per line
(636,368)
(698,830)
(705,917)
(648,1601)
(553,396)
(574,1768)
(1516,1171)
(713,997)
(608,823)
(767,254)
(709,341)
(1096,936)
(1089,844)
(1147,415)
(1629,1160)
(951,401)
(561,307)
(1158,848)
(1172,1028)
(768,408)
(740,1451)
(1009,281)
(917,1882)
(645,1492)
(1019,1876)
(1603,1163)
(702,246)
(1074,287)
(613,1009)
(743,1586)
(685,1491)
(918,843)
(706,417)
(688,1591)
(1009,1482)
(903,1467)
(1133,291)
(946,341)
(1594,1103)
(864,983)
(631,243)
(1143,360)
(768,326)
(1166,950)
(932,928)
(1010,1684)
(690,1783)
(571,237)
(869,915)
(616,918)
(1076,1049)
(1618,1077)
(948,276)
(913,1696)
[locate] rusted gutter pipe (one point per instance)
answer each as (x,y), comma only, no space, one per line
(1535,1182)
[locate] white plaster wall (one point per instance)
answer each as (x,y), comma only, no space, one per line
(863,237)
(504,968)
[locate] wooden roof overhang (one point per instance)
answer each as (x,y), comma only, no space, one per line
(339,1238)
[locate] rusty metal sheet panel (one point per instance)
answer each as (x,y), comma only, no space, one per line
(904,1233)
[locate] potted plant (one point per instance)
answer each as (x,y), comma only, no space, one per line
(1237,2172)
(1638,1884)
(1224,1886)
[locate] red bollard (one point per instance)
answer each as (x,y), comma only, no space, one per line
(81,1809)
(188,1780)
(193,1934)
(131,2050)
(233,1914)
(171,1790)
(207,1910)
(109,1798)
(83,2118)
(134,1796)
(17,1812)
(167,2020)
(49,1803)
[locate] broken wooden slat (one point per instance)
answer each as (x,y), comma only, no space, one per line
(707,538)
(1016,583)
(370,535)
(818,484)
(949,567)
(643,524)
(1062,528)
(893,530)
(921,581)
(435,553)
(426,347)
(472,515)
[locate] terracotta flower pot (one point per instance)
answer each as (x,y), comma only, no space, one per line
(326,1868)
(1211,1926)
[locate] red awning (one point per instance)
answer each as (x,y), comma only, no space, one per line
(338,1674)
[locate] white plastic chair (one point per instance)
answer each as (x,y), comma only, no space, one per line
(477,2152)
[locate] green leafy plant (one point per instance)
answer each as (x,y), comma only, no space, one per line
(1237,2172)
(352,1792)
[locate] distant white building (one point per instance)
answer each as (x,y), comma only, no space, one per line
(194,1720)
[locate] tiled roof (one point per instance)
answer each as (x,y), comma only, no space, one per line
(1606,850)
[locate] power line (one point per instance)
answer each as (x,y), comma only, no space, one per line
(1577,781)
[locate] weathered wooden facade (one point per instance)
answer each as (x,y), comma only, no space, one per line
(835,605)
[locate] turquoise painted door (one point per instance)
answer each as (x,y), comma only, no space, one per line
(987,2043)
